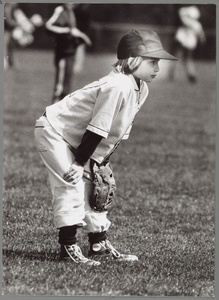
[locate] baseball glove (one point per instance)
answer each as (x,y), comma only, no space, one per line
(104,187)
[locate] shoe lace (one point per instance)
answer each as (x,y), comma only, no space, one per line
(75,250)
(112,249)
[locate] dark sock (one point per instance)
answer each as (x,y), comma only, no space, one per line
(67,235)
(96,237)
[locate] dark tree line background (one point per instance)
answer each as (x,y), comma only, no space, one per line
(106,23)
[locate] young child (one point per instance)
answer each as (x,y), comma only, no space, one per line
(88,125)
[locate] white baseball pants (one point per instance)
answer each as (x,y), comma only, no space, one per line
(70,201)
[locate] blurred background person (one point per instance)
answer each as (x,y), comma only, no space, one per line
(189,35)
(67,39)
(18,31)
(9,24)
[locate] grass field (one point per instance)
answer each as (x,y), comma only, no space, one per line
(164,211)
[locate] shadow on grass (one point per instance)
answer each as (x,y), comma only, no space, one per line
(31,255)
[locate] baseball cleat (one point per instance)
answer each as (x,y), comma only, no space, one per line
(105,248)
(73,252)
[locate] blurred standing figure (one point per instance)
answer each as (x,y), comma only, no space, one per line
(9,23)
(67,39)
(18,30)
(188,35)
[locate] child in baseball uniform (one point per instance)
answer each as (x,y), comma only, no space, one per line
(86,126)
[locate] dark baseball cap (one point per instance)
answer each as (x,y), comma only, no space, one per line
(142,43)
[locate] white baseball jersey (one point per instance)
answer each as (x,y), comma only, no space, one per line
(106,107)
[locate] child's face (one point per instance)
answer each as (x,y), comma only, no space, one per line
(147,70)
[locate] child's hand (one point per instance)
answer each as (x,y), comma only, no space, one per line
(77,33)
(74,174)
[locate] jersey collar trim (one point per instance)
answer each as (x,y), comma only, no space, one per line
(132,78)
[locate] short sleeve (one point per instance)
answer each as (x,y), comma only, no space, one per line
(107,106)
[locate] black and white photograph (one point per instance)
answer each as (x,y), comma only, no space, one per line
(109,149)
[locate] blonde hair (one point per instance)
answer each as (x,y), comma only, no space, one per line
(128,65)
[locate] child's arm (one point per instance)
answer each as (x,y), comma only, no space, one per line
(87,147)
(84,151)
(57,29)
(51,26)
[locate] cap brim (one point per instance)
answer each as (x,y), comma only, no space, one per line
(160,54)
